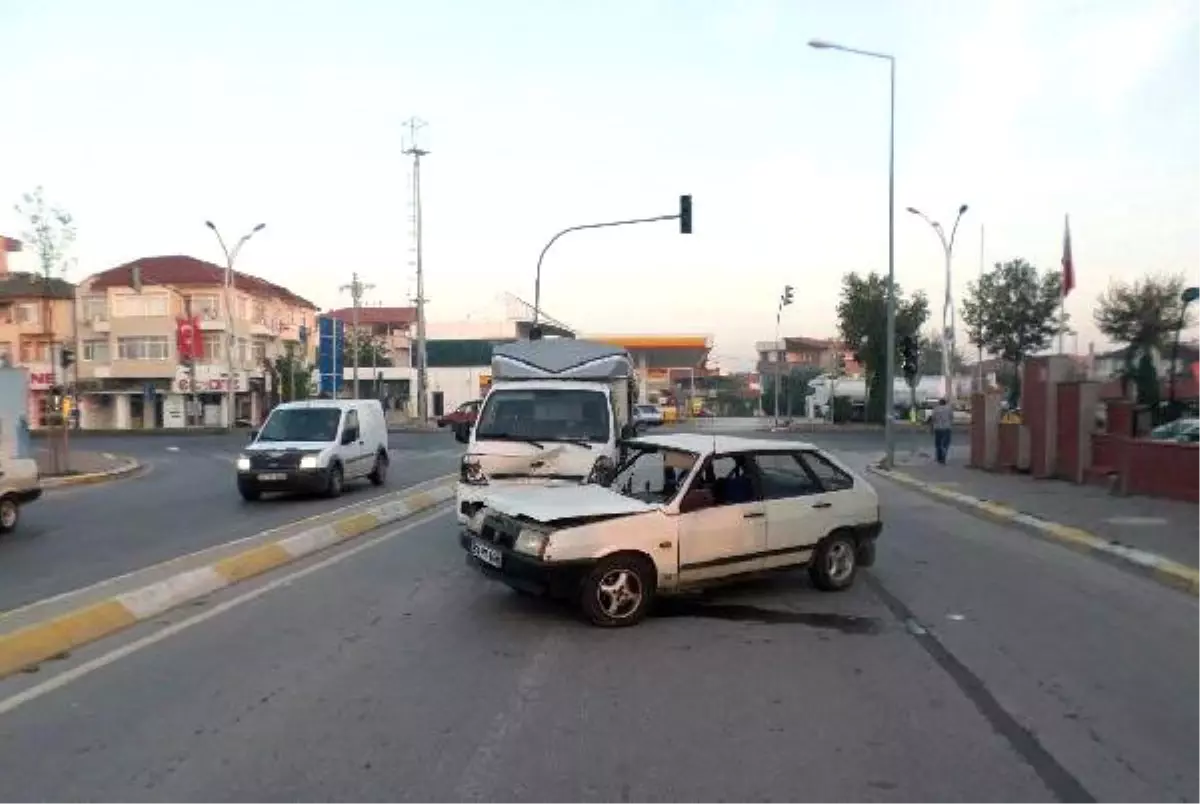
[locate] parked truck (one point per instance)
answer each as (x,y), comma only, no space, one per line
(19,481)
(556,413)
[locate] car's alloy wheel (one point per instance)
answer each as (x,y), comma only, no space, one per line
(619,591)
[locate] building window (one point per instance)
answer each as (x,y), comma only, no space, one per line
(243,351)
(212,346)
(260,352)
(96,351)
(143,348)
(94,308)
(260,312)
(6,353)
(147,306)
(35,351)
(27,313)
(206,306)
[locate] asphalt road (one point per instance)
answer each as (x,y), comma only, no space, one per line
(185,500)
(972,663)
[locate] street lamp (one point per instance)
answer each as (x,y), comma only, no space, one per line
(948,304)
(889,389)
(230,257)
(1187,297)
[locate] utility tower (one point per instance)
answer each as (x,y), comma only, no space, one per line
(413,149)
(357,289)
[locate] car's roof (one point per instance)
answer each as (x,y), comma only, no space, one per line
(705,444)
(340,404)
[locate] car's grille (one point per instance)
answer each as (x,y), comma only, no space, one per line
(500,529)
(284,459)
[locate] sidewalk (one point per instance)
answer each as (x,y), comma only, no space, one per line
(1166,528)
(84,467)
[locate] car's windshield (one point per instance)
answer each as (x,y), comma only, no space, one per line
(653,475)
(647,408)
(547,414)
(301,424)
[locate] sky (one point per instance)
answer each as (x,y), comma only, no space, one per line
(144,119)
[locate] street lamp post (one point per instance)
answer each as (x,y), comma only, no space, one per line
(1187,297)
(948,303)
(889,390)
(230,257)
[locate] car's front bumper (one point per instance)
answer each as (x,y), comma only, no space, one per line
(553,578)
(306,480)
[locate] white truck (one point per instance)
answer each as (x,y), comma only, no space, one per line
(556,414)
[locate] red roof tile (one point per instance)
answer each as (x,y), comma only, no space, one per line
(395,316)
(184,270)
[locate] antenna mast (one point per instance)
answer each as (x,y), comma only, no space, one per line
(357,288)
(415,124)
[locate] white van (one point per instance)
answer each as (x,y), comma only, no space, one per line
(316,445)
(19,485)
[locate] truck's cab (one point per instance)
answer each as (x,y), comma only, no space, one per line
(556,413)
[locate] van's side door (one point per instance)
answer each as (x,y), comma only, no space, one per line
(352,447)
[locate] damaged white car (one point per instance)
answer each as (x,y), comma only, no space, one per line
(684,511)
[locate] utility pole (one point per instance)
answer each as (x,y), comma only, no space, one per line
(414,125)
(357,289)
(231,335)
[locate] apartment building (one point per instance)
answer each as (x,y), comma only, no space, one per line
(35,320)
(789,354)
(131,371)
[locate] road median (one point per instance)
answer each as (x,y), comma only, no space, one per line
(27,646)
(124,467)
(1153,565)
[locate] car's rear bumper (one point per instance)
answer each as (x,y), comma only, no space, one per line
(306,480)
(529,574)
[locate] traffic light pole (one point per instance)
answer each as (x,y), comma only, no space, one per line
(785,299)
(684,216)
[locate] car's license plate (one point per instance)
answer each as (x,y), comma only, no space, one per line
(486,553)
(269,476)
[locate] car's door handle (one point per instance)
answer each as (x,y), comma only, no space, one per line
(753,515)
(822,505)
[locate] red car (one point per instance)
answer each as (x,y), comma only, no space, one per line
(462,416)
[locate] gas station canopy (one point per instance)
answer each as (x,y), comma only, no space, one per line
(661,352)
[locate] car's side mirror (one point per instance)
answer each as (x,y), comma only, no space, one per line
(253,435)
(462,435)
(349,436)
(629,431)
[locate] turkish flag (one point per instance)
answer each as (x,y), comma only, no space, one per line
(187,337)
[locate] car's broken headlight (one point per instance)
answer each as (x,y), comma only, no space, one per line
(602,472)
(532,542)
(471,473)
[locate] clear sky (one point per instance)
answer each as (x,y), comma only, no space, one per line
(145,118)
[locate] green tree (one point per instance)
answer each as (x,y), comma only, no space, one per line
(294,377)
(862,322)
(1144,316)
(372,351)
(793,391)
(50,230)
(1012,311)
(930,361)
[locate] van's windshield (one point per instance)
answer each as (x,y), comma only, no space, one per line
(545,414)
(302,424)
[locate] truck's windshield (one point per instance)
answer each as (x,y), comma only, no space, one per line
(545,414)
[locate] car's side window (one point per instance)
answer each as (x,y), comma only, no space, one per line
(830,477)
(784,476)
(723,480)
(351,421)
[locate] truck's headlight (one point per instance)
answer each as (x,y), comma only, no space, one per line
(243,463)
(309,462)
(471,473)
(532,542)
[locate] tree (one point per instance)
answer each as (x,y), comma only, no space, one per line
(295,378)
(1012,311)
(372,351)
(793,391)
(930,346)
(50,230)
(1143,316)
(862,322)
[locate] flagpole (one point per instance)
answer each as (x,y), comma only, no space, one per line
(1068,279)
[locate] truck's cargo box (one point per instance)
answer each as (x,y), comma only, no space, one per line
(560,359)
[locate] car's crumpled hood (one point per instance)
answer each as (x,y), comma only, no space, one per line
(552,503)
(519,459)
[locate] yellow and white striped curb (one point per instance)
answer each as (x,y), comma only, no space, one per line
(33,644)
(1162,569)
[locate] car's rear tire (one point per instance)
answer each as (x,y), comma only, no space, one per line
(10,514)
(335,485)
(378,475)
(835,562)
(619,590)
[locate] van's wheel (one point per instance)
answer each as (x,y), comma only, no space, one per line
(378,475)
(336,483)
(619,591)
(835,562)
(10,514)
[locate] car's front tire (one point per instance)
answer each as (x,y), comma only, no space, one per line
(619,590)
(10,514)
(336,482)
(835,562)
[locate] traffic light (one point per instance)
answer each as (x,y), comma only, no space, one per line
(66,357)
(909,353)
(685,214)
(789,295)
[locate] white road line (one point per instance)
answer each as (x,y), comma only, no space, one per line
(75,673)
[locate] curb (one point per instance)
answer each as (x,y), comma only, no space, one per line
(1164,570)
(124,470)
(29,646)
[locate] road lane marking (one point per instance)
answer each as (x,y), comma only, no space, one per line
(183,559)
(92,665)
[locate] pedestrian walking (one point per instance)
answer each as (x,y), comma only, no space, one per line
(942,420)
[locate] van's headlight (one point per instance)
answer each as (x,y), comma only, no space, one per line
(532,542)
(243,463)
(309,462)
(471,473)
(603,471)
